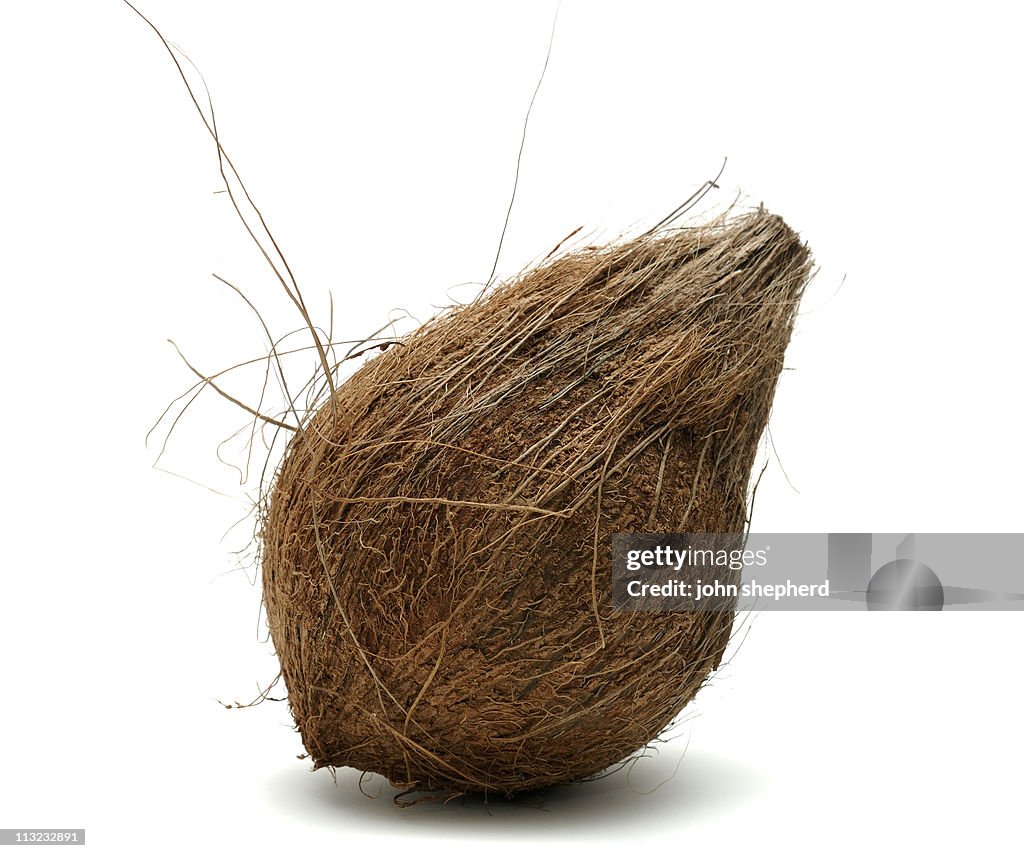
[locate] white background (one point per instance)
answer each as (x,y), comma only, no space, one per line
(380,141)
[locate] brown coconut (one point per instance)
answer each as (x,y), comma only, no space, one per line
(436,543)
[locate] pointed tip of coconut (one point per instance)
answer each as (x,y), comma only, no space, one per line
(695,320)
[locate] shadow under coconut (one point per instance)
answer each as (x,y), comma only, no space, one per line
(698,786)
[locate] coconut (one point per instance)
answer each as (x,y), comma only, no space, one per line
(436,541)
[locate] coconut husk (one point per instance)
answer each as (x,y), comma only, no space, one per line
(436,543)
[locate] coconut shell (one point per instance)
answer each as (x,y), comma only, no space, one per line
(436,542)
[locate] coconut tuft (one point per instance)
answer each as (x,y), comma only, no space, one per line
(436,541)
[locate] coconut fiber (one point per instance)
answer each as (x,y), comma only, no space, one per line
(436,543)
